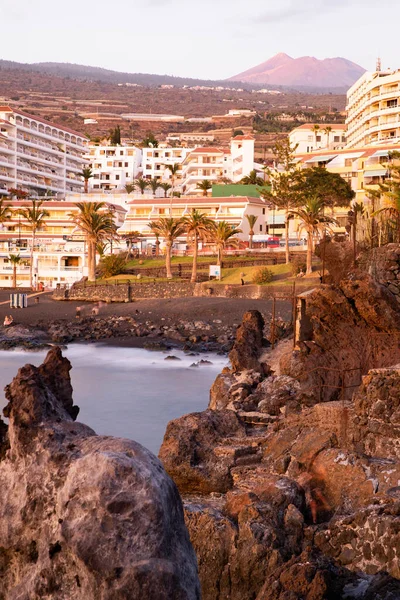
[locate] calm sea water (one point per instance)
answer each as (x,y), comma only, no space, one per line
(128,392)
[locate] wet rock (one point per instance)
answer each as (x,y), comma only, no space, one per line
(84,516)
(172,357)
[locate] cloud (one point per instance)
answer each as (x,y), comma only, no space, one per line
(289,12)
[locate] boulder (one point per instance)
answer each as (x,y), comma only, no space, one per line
(83,517)
(248,344)
(276,392)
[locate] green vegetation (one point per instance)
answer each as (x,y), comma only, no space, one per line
(262,275)
(112,264)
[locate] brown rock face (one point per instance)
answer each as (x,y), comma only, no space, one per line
(84,517)
(248,344)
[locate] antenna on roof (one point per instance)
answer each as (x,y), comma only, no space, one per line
(378,65)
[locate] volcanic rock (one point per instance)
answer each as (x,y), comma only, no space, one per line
(248,345)
(83,517)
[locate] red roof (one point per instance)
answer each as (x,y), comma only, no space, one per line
(243,137)
(208,150)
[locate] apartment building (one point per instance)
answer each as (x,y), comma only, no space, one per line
(214,164)
(373,109)
(308,138)
(38,156)
(113,166)
(155,161)
(60,254)
(232,209)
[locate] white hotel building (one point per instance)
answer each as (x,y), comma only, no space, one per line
(373,110)
(39,157)
(113,166)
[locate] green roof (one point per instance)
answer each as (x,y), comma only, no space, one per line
(235,189)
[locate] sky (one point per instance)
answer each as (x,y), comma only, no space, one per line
(209,39)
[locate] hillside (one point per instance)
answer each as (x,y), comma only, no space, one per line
(307,71)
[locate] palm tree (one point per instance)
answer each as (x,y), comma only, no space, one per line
(129,188)
(313,221)
(5,212)
(142,184)
(174,172)
(204,185)
(14,259)
(315,129)
(166,187)
(169,229)
(198,227)
(357,209)
(97,223)
(224,232)
(87,174)
(35,219)
(251,219)
(327,130)
(252,179)
(154,184)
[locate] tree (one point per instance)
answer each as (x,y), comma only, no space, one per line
(5,212)
(115,136)
(315,129)
(327,131)
(154,184)
(252,179)
(170,230)
(166,187)
(356,210)
(204,185)
(15,260)
(284,180)
(96,221)
(331,188)
(35,217)
(129,188)
(142,184)
(313,221)
(174,172)
(388,195)
(222,234)
(251,219)
(149,141)
(87,174)
(198,227)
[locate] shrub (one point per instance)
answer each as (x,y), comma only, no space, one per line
(298,264)
(262,275)
(113,264)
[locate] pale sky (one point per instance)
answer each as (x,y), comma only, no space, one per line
(210,39)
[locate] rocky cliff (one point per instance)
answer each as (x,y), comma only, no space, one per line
(83,517)
(289,494)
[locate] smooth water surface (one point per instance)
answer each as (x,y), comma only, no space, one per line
(128,392)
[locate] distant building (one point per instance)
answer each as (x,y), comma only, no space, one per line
(151,117)
(329,136)
(113,166)
(60,252)
(231,209)
(214,164)
(38,156)
(373,109)
(195,137)
(155,162)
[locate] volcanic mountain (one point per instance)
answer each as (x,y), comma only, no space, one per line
(303,72)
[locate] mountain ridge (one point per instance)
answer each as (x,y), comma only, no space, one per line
(284,70)
(88,73)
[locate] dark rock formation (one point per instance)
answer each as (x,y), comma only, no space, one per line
(83,517)
(248,345)
(300,496)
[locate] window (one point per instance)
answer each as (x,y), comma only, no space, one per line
(318,138)
(121,152)
(309,138)
(391,103)
(126,174)
(120,164)
(117,177)
(126,164)
(261,228)
(263,211)
(348,162)
(336,138)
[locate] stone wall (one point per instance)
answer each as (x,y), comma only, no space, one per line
(128,292)
(383,265)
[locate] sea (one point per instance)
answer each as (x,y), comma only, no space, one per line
(128,392)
